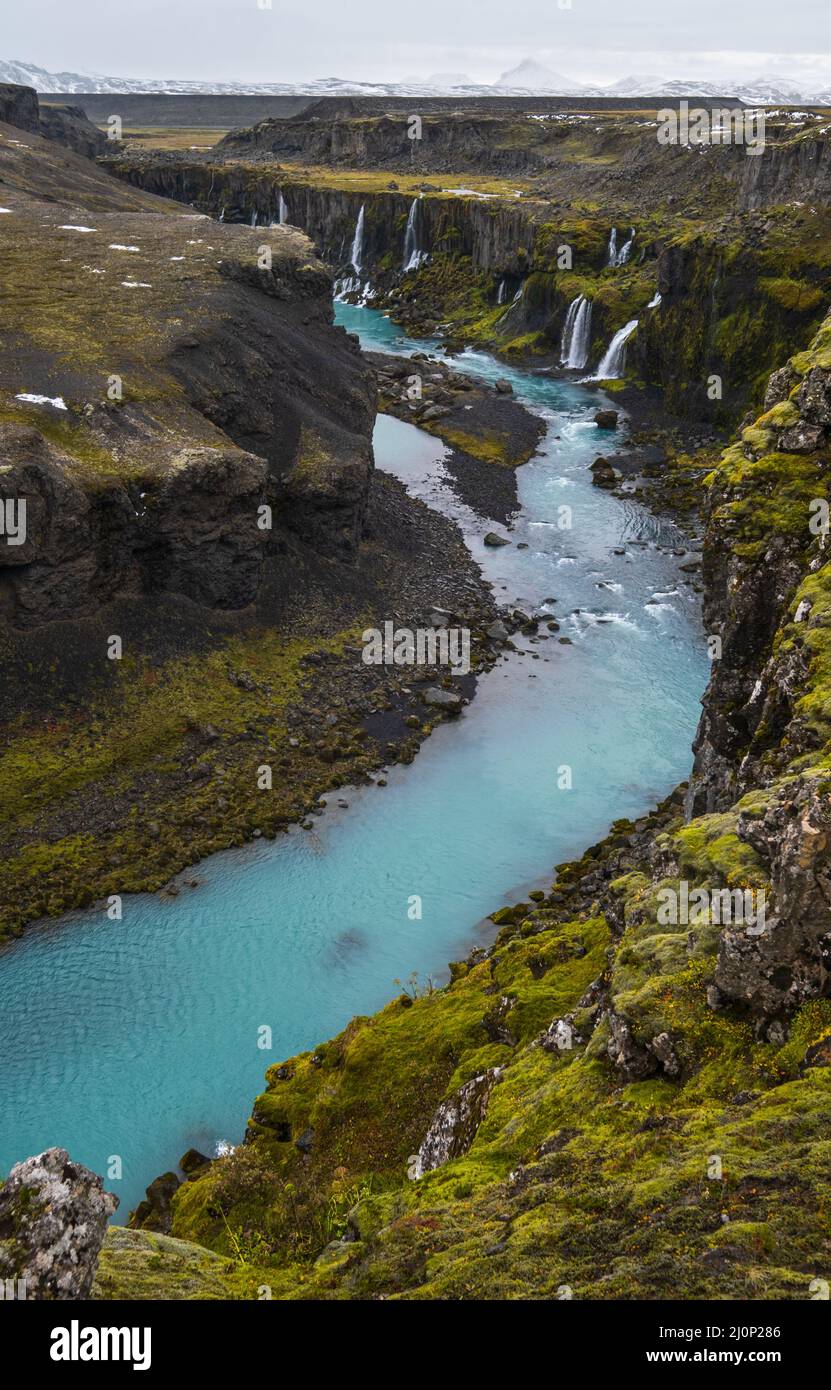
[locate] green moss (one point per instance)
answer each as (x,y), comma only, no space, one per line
(145,1265)
(151,716)
(792,294)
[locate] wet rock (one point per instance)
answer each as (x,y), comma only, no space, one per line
(603,474)
(454,1125)
(192,1162)
(503,387)
(606,419)
(155,1212)
(442,699)
(497,632)
(493,539)
(53,1218)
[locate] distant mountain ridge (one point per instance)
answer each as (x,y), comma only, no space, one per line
(527,78)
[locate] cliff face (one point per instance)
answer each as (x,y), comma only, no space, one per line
(145,449)
(738,289)
(19,106)
(67,125)
(797,167)
(615,1100)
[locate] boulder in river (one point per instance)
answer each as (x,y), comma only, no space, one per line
(493,539)
(503,387)
(606,419)
(603,474)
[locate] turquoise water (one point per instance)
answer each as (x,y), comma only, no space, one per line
(140,1038)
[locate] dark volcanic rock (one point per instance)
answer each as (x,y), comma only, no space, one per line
(195,534)
(68,125)
(155,1212)
(53,1218)
(606,419)
(19,106)
(603,474)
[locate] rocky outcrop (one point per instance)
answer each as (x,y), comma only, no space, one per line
(67,125)
(723,312)
(454,1125)
(19,106)
(53,1218)
(798,168)
(772,971)
(195,532)
(750,728)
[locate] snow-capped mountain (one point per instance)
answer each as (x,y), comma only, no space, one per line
(530,76)
(527,78)
(635,86)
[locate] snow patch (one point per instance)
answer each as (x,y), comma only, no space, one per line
(33,399)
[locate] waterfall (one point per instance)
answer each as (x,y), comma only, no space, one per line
(500,293)
(282,210)
(347,284)
(612,363)
(615,256)
(222,215)
(574,348)
(626,250)
(357,251)
(413,257)
(653,303)
(254,218)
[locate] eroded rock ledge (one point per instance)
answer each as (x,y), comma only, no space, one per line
(186,376)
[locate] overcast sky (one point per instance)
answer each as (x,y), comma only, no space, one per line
(387,40)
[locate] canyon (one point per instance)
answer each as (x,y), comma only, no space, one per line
(545,1119)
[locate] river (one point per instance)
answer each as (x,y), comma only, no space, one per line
(138,1039)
